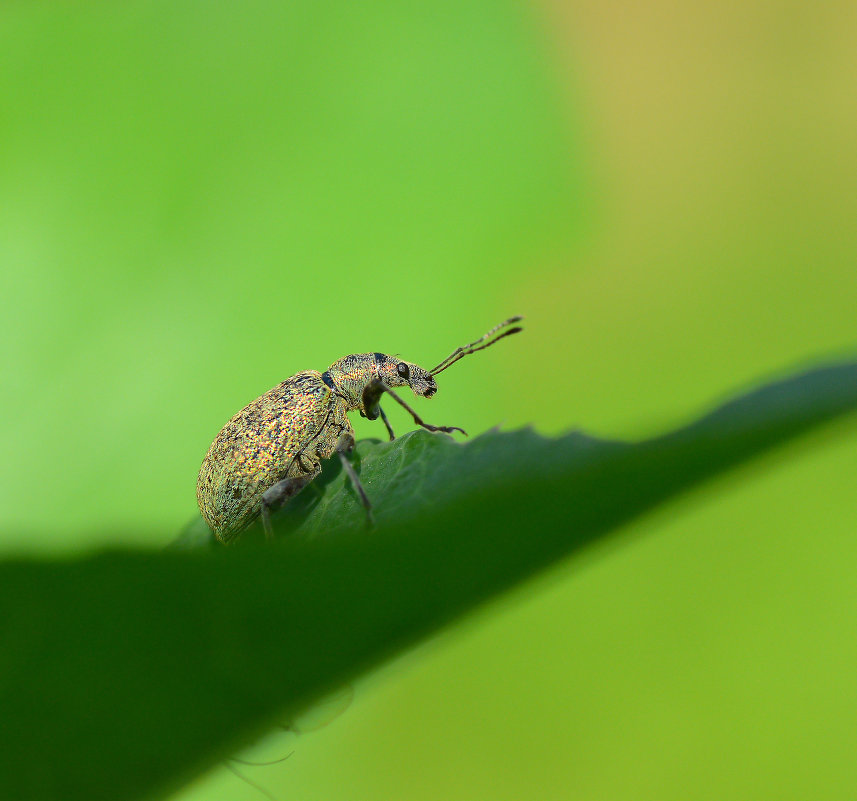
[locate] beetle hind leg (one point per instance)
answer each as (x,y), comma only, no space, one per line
(281,492)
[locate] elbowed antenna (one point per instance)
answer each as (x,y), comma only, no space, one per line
(466,350)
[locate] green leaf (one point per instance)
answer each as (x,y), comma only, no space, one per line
(123,674)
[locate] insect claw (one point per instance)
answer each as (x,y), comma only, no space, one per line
(445,429)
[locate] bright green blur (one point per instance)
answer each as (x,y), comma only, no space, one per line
(198,200)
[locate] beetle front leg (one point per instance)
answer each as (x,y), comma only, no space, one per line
(372,395)
(281,492)
(373,409)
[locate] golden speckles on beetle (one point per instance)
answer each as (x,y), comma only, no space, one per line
(274,446)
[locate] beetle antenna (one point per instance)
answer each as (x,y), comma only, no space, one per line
(479,344)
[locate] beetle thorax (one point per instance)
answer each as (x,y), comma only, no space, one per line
(350,376)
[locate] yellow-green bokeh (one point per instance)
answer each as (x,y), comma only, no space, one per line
(198,200)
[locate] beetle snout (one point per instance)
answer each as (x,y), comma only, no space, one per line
(429,387)
(422,382)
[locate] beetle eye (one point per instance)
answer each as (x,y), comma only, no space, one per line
(404,372)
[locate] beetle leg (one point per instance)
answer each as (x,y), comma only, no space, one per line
(346,445)
(372,394)
(282,491)
(387,423)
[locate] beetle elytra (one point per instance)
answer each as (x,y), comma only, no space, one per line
(274,446)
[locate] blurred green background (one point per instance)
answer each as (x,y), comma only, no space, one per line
(198,200)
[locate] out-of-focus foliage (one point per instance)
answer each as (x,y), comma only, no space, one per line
(197,201)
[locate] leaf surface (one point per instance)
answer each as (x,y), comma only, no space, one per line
(124,674)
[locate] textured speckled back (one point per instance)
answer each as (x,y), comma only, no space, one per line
(261,444)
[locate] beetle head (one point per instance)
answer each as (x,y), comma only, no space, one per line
(396,373)
(352,374)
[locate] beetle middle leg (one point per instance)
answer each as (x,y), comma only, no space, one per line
(387,423)
(346,445)
(281,492)
(372,395)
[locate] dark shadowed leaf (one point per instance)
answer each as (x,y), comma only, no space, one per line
(123,674)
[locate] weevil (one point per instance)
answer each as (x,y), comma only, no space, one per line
(269,451)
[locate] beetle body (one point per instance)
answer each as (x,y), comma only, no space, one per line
(282,434)
(275,445)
